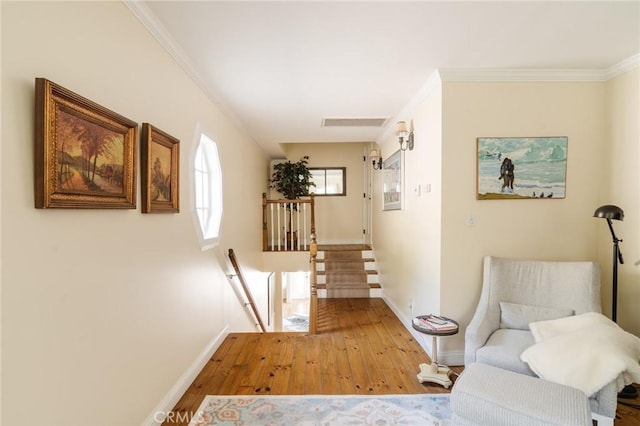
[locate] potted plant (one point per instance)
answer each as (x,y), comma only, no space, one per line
(292,180)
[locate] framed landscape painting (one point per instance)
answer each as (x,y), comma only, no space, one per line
(84,154)
(521,168)
(159,159)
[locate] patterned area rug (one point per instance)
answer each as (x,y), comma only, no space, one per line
(295,322)
(379,410)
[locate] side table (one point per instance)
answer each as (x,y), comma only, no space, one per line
(433,372)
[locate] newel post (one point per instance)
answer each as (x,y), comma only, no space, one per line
(313,214)
(313,300)
(264,222)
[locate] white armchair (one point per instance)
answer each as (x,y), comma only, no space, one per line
(517,292)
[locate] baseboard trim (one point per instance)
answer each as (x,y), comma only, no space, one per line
(425,341)
(157,416)
(451,358)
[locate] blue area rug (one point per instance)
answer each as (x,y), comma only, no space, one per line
(379,410)
(295,322)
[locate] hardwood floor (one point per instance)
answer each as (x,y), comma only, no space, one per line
(361,348)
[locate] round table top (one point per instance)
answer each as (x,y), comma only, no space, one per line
(432,332)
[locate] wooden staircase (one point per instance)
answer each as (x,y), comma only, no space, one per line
(347,271)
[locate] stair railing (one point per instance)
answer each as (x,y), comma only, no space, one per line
(287,224)
(245,288)
(313,298)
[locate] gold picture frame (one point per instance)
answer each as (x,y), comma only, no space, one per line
(160,162)
(85,154)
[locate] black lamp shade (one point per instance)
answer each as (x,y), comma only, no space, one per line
(609,212)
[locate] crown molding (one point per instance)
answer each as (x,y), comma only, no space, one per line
(505,75)
(433,82)
(159,32)
(497,74)
(623,66)
(494,74)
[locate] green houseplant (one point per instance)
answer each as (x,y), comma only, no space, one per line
(292,180)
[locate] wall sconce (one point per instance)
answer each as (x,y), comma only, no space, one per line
(376,159)
(405,137)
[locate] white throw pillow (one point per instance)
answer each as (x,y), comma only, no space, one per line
(518,316)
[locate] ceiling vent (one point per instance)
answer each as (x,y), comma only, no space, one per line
(353,122)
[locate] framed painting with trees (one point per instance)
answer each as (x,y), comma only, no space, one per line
(85,154)
(159,162)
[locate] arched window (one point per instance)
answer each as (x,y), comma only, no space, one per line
(207,175)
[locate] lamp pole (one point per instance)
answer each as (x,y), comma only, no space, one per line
(617,258)
(614,212)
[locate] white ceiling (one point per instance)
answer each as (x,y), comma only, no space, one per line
(280,68)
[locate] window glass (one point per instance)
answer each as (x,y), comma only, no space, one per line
(319,180)
(329,180)
(207,175)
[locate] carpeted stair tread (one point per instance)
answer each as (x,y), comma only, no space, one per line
(343,247)
(345,274)
(345,282)
(355,260)
(367,271)
(342,255)
(343,266)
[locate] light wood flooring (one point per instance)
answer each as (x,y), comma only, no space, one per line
(361,348)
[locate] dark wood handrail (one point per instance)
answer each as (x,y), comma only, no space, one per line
(245,288)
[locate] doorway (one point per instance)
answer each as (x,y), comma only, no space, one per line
(295,301)
(367,180)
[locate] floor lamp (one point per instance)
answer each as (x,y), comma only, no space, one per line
(610,212)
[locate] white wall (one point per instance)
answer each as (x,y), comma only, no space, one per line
(338,219)
(622,188)
(407,243)
(104,310)
(437,261)
(553,229)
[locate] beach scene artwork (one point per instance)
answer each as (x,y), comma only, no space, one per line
(522,168)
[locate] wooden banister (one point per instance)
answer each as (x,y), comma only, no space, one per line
(312,201)
(274,216)
(284,230)
(245,288)
(265,234)
(313,299)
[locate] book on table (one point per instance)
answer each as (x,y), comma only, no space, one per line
(433,322)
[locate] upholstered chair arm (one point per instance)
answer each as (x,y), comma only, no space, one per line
(605,401)
(477,334)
